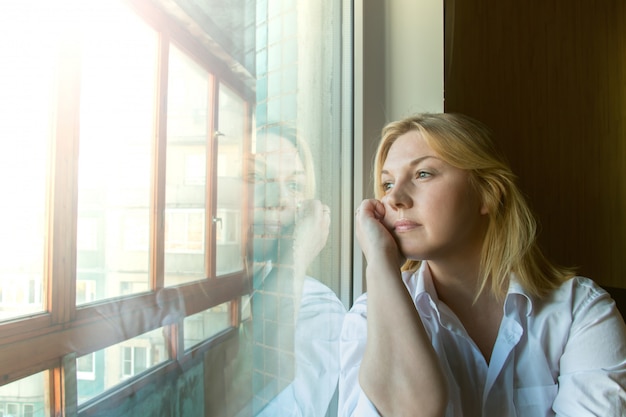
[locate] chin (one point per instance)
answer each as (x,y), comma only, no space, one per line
(413,254)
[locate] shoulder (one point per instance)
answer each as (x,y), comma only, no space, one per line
(316,289)
(594,339)
(317,296)
(580,293)
(579,301)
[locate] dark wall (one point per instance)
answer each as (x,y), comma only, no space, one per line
(549,77)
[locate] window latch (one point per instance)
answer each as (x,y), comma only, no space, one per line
(217,220)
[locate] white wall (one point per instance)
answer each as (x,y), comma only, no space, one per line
(398,70)
(413,57)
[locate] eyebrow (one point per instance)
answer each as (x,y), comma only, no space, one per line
(414,162)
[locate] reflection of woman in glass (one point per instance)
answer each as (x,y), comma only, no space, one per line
(297,319)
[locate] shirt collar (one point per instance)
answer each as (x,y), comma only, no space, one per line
(420,284)
(422,289)
(517,298)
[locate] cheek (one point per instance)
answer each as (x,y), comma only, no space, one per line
(453,209)
(439,204)
(467,217)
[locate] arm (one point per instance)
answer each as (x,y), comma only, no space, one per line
(399,372)
(592,377)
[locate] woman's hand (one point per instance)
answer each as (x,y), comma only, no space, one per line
(374,237)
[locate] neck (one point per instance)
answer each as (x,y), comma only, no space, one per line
(480,316)
(454,283)
(457,287)
(458,276)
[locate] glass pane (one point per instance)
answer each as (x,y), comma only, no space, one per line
(25,397)
(103,370)
(188,111)
(201,326)
(229,23)
(117,119)
(25,131)
(230,142)
(297,207)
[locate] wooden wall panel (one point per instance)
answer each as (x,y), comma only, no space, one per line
(549,77)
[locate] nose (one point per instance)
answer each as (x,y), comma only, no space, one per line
(399,196)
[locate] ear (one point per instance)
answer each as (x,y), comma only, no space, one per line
(482,190)
(491,197)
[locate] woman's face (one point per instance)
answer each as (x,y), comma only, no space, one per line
(432,209)
(280,185)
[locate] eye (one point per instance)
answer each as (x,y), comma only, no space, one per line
(295,186)
(255,178)
(387,185)
(423,174)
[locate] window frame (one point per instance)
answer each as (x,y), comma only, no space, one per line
(67,330)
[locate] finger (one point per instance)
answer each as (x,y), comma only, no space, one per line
(369,207)
(379,210)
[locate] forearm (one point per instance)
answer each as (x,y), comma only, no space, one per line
(400,372)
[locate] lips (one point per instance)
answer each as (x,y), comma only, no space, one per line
(404,225)
(272,229)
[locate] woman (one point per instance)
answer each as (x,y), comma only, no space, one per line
(463,314)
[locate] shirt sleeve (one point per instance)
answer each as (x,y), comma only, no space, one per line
(352,399)
(317,356)
(592,380)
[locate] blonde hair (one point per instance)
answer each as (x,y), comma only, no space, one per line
(510,244)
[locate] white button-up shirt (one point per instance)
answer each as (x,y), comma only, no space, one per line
(561,356)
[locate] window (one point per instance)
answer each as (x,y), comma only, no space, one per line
(121,361)
(115,140)
(203,325)
(25,120)
(139,246)
(86,367)
(110,170)
(28,410)
(134,360)
(24,397)
(184,230)
(85,291)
